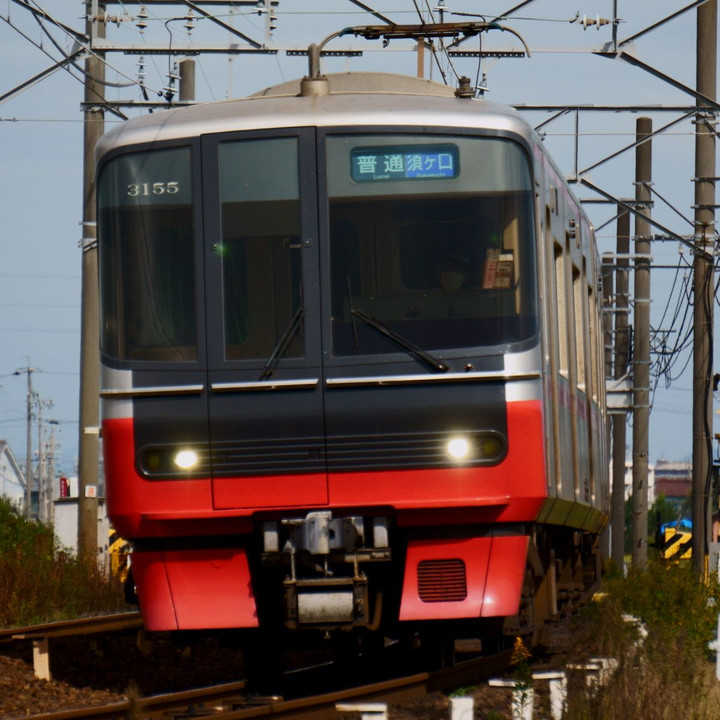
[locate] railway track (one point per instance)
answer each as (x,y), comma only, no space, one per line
(232,702)
(40,635)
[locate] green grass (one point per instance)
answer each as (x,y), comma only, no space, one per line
(668,674)
(41,582)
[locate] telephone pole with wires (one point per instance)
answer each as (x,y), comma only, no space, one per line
(28,371)
(703,280)
(89,440)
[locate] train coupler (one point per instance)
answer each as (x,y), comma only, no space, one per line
(326,603)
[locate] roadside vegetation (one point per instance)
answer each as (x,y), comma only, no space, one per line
(664,667)
(41,581)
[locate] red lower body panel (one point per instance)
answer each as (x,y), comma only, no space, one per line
(463,578)
(194,589)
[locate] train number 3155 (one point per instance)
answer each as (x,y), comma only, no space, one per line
(156,188)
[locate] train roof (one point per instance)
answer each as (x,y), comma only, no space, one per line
(352,99)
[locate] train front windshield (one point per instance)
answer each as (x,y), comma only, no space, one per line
(432,237)
(425,240)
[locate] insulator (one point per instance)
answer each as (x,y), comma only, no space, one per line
(141,17)
(189,21)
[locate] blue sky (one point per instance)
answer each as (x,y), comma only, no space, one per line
(41,153)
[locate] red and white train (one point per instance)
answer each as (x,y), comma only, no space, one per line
(352,362)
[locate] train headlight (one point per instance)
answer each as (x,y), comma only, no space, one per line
(491,447)
(186,459)
(475,448)
(458,448)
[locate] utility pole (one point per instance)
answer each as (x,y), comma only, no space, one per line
(28,439)
(619,421)
(641,355)
(42,465)
(703,280)
(608,288)
(187,80)
(40,461)
(89,441)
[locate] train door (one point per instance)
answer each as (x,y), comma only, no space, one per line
(263,331)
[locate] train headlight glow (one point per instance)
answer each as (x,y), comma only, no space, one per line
(186,459)
(458,448)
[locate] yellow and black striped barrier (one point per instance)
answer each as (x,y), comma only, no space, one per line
(676,543)
(119,551)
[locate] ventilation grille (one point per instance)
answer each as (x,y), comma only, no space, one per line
(441,580)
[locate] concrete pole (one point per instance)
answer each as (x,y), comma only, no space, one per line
(619,421)
(703,282)
(607,271)
(40,462)
(641,360)
(421,57)
(28,445)
(187,79)
(89,441)
(608,286)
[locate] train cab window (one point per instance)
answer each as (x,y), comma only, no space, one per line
(261,248)
(443,255)
(146,255)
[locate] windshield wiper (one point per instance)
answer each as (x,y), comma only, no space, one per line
(283,343)
(431,360)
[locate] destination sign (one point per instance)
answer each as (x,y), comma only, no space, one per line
(407,162)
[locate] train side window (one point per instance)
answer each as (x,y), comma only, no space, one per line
(580,327)
(146,263)
(593,331)
(261,248)
(562,310)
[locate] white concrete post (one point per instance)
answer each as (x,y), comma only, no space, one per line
(715,645)
(41,658)
(368,711)
(557,681)
(522,699)
(462,708)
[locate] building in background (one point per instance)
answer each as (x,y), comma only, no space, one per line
(65,512)
(674,481)
(652,490)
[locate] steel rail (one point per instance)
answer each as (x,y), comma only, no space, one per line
(40,635)
(78,626)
